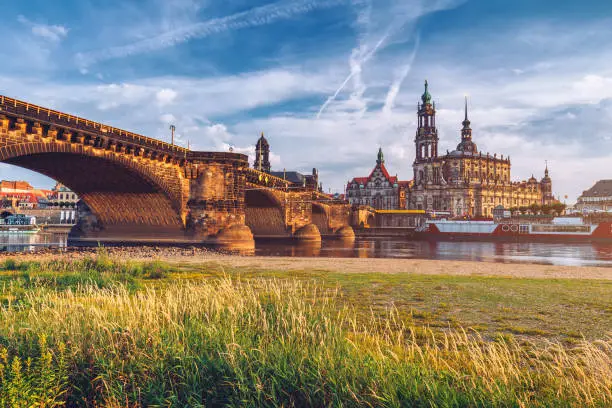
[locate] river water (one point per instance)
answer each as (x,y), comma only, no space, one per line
(591,254)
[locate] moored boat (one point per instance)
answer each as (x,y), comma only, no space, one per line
(560,229)
(18,224)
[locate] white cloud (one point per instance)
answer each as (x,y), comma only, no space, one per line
(167,118)
(52,33)
(165,96)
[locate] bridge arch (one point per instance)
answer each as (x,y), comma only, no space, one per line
(122,191)
(320,217)
(265,213)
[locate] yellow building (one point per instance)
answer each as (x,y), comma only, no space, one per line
(466,182)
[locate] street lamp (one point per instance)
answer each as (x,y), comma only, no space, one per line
(172,129)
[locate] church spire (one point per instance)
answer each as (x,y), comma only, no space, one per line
(466,122)
(466,144)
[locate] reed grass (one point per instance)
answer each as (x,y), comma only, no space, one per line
(261,342)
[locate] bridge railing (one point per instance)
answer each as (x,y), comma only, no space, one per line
(45,114)
(264,179)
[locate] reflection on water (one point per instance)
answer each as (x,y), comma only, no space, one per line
(15,242)
(596,254)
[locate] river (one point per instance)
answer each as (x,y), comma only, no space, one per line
(588,254)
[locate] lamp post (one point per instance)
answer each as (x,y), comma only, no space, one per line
(172,129)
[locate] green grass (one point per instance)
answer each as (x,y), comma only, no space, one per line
(96,332)
(556,309)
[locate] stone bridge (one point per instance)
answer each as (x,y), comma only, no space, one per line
(139,188)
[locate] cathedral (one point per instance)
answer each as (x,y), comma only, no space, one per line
(466,181)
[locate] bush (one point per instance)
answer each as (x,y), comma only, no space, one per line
(36,380)
(156,270)
(10,265)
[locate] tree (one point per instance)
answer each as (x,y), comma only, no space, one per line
(534,208)
(546,209)
(558,208)
(523,209)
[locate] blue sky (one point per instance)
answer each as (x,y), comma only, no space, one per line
(328,81)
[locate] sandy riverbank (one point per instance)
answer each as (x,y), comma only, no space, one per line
(343,265)
(416,266)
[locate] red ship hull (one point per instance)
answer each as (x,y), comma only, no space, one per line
(518,232)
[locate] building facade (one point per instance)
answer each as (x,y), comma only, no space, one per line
(379,190)
(466,181)
(63,196)
(596,199)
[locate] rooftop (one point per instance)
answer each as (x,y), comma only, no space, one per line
(603,188)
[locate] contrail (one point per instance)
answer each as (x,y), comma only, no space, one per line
(355,64)
(359,56)
(255,17)
(397,84)
(409,15)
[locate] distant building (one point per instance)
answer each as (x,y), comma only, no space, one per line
(466,181)
(20,194)
(597,198)
(262,163)
(304,180)
(379,190)
(62,195)
(7,186)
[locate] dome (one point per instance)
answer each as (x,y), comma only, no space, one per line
(262,141)
(467,146)
(426,97)
(361,186)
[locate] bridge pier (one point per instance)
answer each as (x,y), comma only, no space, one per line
(346,233)
(236,237)
(308,233)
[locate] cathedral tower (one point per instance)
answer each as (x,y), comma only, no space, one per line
(262,155)
(426,140)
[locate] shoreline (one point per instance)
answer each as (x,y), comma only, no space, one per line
(196,255)
(407,266)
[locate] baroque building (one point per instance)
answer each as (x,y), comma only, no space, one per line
(466,181)
(379,190)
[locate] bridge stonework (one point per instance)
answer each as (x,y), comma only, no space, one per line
(138,187)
